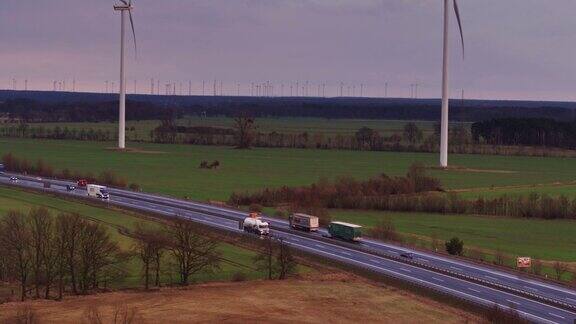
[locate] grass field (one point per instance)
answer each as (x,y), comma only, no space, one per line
(541,239)
(173,169)
(12,199)
(285,125)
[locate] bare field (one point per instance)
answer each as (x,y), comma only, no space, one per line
(336,298)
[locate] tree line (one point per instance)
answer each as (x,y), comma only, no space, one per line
(525,131)
(42,168)
(464,140)
(415,192)
(28,111)
(50,256)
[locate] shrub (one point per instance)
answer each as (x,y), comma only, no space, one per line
(385,230)
(134,187)
(455,246)
(255,208)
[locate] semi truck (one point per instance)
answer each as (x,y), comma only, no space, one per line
(304,222)
(345,231)
(97,191)
(255,224)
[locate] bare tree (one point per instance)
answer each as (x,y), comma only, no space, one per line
(285,262)
(95,253)
(192,250)
(68,228)
(42,229)
(276,259)
(264,260)
(149,245)
(245,128)
(560,268)
(537,267)
(16,241)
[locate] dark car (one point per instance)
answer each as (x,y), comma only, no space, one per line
(70,188)
(407,255)
(13,179)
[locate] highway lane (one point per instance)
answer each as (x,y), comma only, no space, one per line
(486,273)
(464,289)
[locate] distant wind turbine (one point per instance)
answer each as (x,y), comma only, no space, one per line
(445,82)
(125,6)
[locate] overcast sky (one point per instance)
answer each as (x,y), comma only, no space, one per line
(516,49)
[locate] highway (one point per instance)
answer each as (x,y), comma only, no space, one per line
(536,300)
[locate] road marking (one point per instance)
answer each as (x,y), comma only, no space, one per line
(377,261)
(534,289)
(474,290)
(393,252)
(574,300)
(405,270)
(437,279)
(295,239)
(423,260)
(491,278)
(455,268)
(344,252)
(513,302)
(320,246)
(556,315)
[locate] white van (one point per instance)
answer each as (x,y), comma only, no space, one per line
(97,191)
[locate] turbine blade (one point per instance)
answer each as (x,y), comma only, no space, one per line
(124,2)
(133,33)
(457,12)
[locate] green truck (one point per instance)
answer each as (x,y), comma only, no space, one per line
(345,231)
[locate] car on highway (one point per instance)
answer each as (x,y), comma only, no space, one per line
(82,183)
(13,179)
(70,188)
(407,255)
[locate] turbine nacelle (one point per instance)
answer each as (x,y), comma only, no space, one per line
(123,7)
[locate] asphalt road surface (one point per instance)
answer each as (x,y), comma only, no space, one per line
(536,300)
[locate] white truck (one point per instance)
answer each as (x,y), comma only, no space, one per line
(304,222)
(255,224)
(97,191)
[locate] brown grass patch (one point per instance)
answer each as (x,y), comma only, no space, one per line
(321,299)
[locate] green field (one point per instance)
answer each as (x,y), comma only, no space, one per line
(541,239)
(11,199)
(173,169)
(141,129)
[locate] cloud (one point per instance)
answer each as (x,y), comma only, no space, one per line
(516,48)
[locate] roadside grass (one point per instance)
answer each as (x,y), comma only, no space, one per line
(173,169)
(541,239)
(553,190)
(235,259)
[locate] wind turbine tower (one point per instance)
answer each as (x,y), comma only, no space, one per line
(445,82)
(125,6)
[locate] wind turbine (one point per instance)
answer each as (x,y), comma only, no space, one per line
(125,6)
(445,91)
